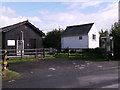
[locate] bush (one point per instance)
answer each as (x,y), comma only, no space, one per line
(100,52)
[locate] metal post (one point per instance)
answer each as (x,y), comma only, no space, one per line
(22,41)
(22,35)
(68,52)
(5,61)
(35,53)
(43,53)
(112,48)
(21,54)
(81,53)
(56,52)
(119,11)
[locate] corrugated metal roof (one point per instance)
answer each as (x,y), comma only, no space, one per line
(77,30)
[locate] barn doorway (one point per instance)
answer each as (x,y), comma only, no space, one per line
(32,43)
(20,47)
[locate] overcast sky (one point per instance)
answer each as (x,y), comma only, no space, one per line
(50,15)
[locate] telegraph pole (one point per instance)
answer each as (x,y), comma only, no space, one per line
(119,11)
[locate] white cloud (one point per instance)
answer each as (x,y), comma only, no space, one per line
(50,20)
(44,12)
(103,18)
(55,0)
(9,17)
(7,11)
(9,21)
(6,20)
(108,16)
(83,5)
(34,19)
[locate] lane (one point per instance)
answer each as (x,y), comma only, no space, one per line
(60,73)
(111,86)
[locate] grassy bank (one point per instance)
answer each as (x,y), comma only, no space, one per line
(9,75)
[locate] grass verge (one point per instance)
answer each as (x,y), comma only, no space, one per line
(9,75)
(62,55)
(15,60)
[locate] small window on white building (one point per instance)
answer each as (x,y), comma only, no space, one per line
(80,37)
(94,37)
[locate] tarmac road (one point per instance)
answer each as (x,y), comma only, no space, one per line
(64,73)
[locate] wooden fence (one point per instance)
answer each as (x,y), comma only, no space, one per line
(41,52)
(70,51)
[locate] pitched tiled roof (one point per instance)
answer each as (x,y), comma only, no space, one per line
(77,30)
(12,27)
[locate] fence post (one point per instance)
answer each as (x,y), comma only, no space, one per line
(80,52)
(5,61)
(21,54)
(56,52)
(68,52)
(43,53)
(35,53)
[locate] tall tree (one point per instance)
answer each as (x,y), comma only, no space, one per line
(53,39)
(115,32)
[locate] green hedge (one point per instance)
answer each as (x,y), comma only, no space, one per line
(97,51)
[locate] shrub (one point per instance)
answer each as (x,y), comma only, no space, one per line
(100,52)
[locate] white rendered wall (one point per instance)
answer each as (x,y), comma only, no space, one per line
(74,42)
(93,43)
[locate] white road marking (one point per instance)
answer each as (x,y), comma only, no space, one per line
(111,86)
(82,65)
(52,69)
(100,66)
(76,66)
(51,75)
(31,72)
(11,81)
(74,63)
(88,63)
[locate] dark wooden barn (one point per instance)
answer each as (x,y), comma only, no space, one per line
(23,35)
